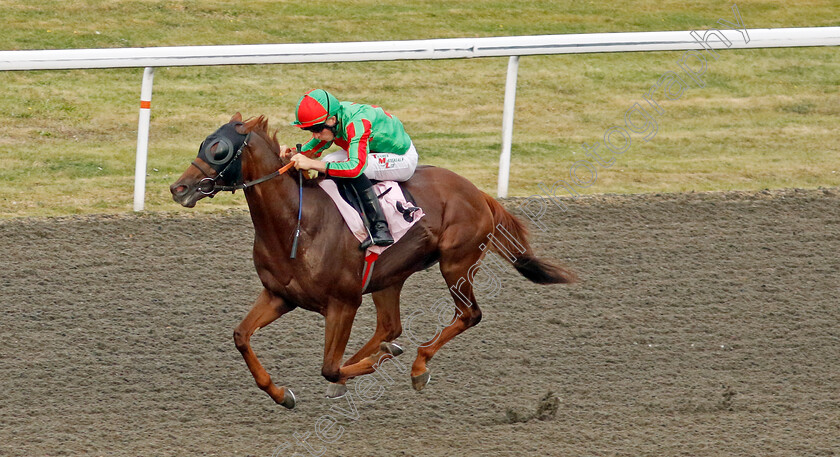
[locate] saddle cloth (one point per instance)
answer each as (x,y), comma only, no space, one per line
(391,196)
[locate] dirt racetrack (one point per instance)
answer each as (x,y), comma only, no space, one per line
(705,325)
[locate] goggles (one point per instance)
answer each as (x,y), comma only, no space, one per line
(317,128)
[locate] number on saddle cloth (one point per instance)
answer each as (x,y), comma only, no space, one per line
(407,211)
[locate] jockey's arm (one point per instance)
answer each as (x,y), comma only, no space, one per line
(303,160)
(314,147)
(358,134)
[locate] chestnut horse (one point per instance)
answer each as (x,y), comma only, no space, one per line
(326,275)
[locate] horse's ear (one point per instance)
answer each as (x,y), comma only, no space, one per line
(236,117)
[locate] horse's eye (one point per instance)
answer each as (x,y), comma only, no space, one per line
(220,151)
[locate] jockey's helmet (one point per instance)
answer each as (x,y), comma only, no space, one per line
(315,107)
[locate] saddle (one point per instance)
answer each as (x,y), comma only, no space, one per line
(406,208)
(400,211)
(398,205)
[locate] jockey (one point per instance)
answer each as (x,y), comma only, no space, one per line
(374,145)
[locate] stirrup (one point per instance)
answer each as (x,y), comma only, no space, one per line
(382,236)
(384,241)
(380,240)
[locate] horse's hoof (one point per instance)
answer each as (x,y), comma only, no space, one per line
(420,381)
(335,390)
(289,400)
(390,348)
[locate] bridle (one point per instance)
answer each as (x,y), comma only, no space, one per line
(222,139)
(209,184)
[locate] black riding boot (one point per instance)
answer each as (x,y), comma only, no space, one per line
(374,217)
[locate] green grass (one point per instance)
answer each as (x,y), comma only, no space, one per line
(765,119)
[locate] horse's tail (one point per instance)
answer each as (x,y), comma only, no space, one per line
(510,240)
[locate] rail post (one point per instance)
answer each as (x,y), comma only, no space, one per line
(507,125)
(143,138)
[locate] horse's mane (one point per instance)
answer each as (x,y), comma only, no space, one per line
(259,125)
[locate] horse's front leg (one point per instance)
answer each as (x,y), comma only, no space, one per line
(339,321)
(267,308)
(388,326)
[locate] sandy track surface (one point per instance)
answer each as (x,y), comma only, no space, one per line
(705,324)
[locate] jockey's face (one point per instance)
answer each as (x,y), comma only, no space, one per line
(326,134)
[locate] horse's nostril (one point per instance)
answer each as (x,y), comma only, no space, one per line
(178,190)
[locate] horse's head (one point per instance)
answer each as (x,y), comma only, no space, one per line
(218,165)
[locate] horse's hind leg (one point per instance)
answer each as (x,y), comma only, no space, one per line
(388,325)
(267,308)
(455,268)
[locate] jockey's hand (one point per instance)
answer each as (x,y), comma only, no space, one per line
(305,163)
(286,152)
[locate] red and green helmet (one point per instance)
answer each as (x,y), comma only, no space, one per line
(315,107)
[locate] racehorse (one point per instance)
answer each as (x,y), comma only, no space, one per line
(326,274)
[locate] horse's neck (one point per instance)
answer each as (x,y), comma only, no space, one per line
(274,211)
(273,203)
